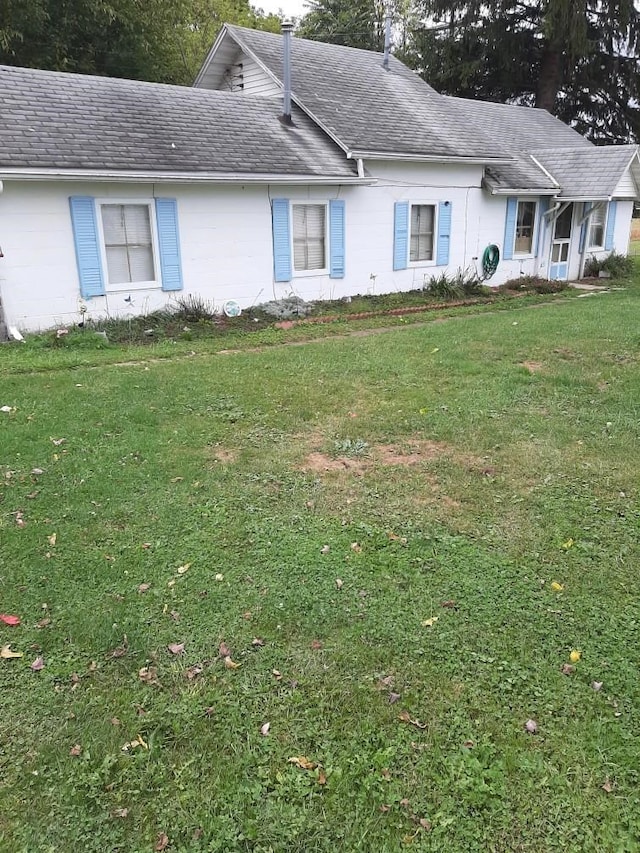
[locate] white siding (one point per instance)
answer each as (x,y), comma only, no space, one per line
(255,80)
(226,241)
(626,187)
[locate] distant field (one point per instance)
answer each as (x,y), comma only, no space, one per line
(634,244)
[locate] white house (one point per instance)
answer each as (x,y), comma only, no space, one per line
(118,196)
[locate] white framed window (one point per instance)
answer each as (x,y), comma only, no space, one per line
(597,223)
(422,233)
(310,238)
(129,247)
(525,227)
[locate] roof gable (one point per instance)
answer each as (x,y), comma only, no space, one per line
(589,174)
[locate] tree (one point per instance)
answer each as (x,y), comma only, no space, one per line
(575,58)
(157,40)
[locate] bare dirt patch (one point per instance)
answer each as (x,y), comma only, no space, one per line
(532,366)
(411,453)
(224,455)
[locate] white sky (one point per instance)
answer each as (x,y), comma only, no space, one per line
(291,8)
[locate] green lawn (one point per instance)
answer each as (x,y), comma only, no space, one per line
(399,538)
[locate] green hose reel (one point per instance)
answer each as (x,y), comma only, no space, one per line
(490,261)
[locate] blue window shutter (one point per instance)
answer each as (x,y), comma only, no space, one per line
(611,225)
(585,228)
(543,206)
(510,228)
(400,235)
(169,243)
(85,235)
(444,233)
(336,238)
(281,239)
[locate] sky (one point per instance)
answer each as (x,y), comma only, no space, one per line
(292,8)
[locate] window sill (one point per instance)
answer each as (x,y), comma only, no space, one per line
(133,286)
(310,273)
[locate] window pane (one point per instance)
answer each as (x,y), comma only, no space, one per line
(563,224)
(525,223)
(596,229)
(421,242)
(128,243)
(309,241)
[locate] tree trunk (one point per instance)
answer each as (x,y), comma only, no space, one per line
(550,78)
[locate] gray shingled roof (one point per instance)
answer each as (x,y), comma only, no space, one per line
(591,173)
(367,108)
(521,129)
(52,120)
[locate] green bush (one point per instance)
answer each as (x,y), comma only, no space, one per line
(618,266)
(534,284)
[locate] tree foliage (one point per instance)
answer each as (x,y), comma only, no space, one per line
(576,58)
(158,40)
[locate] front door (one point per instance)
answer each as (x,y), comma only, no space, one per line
(560,244)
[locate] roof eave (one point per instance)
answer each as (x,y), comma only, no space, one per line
(428,158)
(522,191)
(143,177)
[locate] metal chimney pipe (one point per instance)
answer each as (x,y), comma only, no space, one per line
(287,29)
(387,42)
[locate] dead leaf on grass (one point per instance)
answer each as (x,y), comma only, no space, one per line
(219,577)
(355,546)
(393,698)
(43,623)
(264,729)
(193,672)
(9,620)
(148,674)
(57,441)
(231,664)
(302,762)
(162,842)
(451,604)
(223,650)
(339,583)
(257,642)
(7,654)
(316,645)
(276,674)
(75,750)
(325,549)
(405,717)
(119,651)
(596,685)
(144,587)
(176,648)
(181,570)
(135,744)
(567,669)
(531,727)
(429,623)
(37,664)
(607,787)
(120,813)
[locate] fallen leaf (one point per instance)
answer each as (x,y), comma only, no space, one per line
(38,664)
(115,721)
(75,750)
(37,471)
(43,623)
(567,669)
(144,587)
(607,787)
(556,587)
(339,583)
(315,645)
(176,648)
(596,685)
(224,651)
(393,698)
(276,674)
(182,569)
(230,664)
(247,616)
(404,717)
(148,674)
(257,642)
(52,539)
(219,577)
(193,672)
(120,813)
(322,777)
(450,603)
(325,549)
(119,651)
(355,546)
(58,441)
(6,653)
(575,656)
(264,729)
(568,544)
(9,620)
(145,546)
(176,479)
(302,762)
(6,409)
(531,726)
(429,623)
(33,495)
(162,842)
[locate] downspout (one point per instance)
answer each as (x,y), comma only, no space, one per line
(287,29)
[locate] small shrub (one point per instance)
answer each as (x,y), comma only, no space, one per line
(461,283)
(534,284)
(618,266)
(290,308)
(193,308)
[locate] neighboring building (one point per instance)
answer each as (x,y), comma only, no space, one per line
(120,195)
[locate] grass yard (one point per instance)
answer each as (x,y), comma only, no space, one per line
(307,598)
